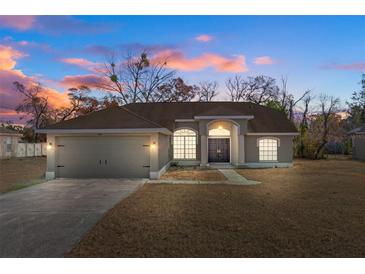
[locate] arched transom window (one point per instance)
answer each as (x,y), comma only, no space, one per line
(184,144)
(268,149)
(219,132)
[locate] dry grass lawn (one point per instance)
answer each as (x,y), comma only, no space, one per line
(17,173)
(316,209)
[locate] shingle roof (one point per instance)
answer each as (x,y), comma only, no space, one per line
(4,130)
(265,119)
(357,130)
(362,129)
(110,118)
(157,115)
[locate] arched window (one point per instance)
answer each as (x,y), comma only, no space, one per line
(268,149)
(184,144)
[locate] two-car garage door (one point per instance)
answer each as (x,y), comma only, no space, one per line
(102,157)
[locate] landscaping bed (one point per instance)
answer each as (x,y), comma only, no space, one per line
(193,173)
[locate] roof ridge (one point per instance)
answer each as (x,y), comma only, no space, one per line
(140,117)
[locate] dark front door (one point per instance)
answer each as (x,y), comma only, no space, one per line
(218,150)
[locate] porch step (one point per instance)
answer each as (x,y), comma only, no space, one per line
(221,166)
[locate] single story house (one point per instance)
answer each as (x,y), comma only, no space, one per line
(358,143)
(143,139)
(8,142)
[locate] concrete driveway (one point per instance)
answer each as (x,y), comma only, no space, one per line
(46,220)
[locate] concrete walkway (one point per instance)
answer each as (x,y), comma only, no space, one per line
(233,176)
(48,219)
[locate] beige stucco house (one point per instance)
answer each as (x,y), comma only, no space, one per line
(358,143)
(8,142)
(143,139)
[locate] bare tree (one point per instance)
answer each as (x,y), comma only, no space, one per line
(328,106)
(136,78)
(176,90)
(34,105)
(81,103)
(303,126)
(258,90)
(287,101)
(261,89)
(236,88)
(293,103)
(207,91)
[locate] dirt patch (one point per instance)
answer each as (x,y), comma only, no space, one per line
(16,173)
(315,209)
(192,173)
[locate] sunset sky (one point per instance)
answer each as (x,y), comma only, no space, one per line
(326,54)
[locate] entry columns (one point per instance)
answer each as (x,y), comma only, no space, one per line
(203,150)
(241,150)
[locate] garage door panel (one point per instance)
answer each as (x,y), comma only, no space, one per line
(102,157)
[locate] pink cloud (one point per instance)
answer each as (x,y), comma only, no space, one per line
(19,22)
(23,43)
(90,80)
(8,57)
(177,60)
(82,63)
(11,115)
(204,38)
(10,98)
(264,60)
(352,67)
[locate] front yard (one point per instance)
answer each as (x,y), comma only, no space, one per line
(315,209)
(16,173)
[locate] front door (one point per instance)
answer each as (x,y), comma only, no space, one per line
(218,150)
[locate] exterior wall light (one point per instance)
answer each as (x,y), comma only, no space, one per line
(49,146)
(220,127)
(153,145)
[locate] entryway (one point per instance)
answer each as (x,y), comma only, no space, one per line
(218,150)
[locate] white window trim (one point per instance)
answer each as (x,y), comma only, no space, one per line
(277,150)
(196,144)
(267,137)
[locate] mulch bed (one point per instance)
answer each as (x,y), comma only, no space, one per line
(196,174)
(316,209)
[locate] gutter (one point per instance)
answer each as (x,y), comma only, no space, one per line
(105,131)
(273,133)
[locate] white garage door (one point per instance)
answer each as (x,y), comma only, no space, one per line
(102,157)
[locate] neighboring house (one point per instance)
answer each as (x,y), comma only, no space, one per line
(142,139)
(358,143)
(8,142)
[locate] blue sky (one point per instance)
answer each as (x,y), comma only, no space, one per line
(323,53)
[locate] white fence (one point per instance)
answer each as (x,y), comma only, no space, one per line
(31,149)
